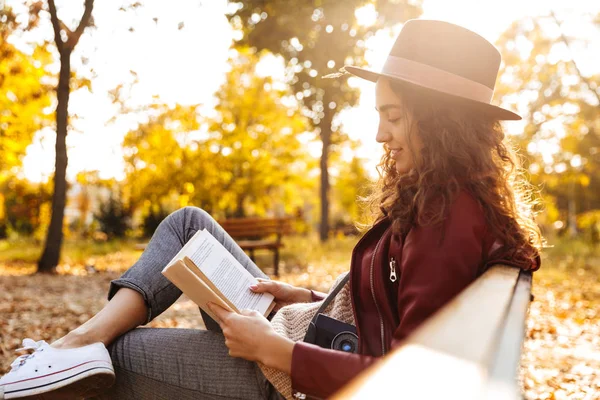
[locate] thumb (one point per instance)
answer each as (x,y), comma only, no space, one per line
(264,286)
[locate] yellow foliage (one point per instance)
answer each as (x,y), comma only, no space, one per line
(23,100)
(239,163)
(44,221)
(184,200)
(188,187)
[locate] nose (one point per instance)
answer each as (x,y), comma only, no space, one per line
(383,134)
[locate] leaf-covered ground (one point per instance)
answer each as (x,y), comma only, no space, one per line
(561,357)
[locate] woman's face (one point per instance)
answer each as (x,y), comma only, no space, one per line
(395,123)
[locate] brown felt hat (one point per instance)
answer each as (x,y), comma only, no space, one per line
(445,58)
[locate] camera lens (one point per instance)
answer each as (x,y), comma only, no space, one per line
(345,341)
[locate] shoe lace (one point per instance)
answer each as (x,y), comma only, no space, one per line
(28,344)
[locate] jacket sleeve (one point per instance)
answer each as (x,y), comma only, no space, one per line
(437,263)
(321,372)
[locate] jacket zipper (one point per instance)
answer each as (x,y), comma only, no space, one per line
(352,284)
(393,276)
(375,299)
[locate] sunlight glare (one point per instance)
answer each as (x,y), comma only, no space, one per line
(576,161)
(270,66)
(560,168)
(366,16)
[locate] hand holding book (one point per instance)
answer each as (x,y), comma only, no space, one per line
(250,336)
(206,272)
(283,293)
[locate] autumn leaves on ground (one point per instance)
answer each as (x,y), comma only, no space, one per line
(561,358)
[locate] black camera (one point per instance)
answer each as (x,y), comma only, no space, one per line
(330,333)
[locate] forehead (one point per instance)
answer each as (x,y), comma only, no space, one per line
(385,95)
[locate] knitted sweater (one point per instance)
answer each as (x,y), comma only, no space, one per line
(292,322)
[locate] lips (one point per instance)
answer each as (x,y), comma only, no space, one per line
(395,152)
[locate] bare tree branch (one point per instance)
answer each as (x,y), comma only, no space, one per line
(83,23)
(65,28)
(56,25)
(591,85)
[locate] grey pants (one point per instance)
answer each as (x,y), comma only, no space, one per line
(155,363)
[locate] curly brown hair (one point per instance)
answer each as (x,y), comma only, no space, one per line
(462,150)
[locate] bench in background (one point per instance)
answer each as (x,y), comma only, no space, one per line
(259,234)
(470,349)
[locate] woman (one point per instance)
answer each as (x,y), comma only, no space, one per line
(449,203)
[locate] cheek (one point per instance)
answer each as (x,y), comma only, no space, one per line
(398,132)
(417,143)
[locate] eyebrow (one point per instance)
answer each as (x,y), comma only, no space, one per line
(386,107)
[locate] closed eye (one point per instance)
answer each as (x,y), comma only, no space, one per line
(393,121)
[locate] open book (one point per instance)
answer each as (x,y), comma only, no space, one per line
(206,272)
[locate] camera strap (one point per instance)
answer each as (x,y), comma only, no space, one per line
(311,333)
(332,295)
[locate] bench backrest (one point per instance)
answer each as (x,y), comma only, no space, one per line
(470,349)
(241,228)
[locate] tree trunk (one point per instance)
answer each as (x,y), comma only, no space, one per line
(51,254)
(239,210)
(572,218)
(326,139)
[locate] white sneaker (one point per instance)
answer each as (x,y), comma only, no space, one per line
(58,373)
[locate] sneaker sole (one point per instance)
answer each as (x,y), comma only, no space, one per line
(85,381)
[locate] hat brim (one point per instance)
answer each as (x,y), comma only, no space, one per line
(491,110)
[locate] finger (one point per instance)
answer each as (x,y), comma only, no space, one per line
(219,312)
(226,333)
(249,313)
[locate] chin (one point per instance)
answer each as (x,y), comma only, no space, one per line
(402,170)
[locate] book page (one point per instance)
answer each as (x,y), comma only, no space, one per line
(225,272)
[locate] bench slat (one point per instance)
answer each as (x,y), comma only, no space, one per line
(243,228)
(237,232)
(257,233)
(504,370)
(259,244)
(449,355)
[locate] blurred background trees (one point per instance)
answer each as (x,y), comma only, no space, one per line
(246,159)
(316,38)
(272,139)
(560,103)
(23,99)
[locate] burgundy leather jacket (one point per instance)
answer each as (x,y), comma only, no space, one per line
(431,266)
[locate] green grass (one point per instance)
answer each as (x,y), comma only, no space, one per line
(571,255)
(28,250)
(308,249)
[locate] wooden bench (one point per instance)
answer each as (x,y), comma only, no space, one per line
(259,233)
(470,349)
